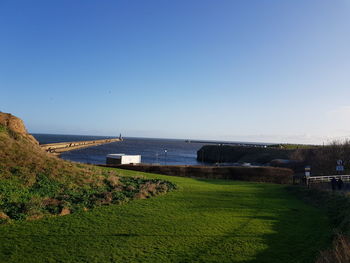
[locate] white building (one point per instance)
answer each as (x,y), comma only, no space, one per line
(121,158)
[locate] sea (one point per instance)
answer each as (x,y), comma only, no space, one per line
(152,151)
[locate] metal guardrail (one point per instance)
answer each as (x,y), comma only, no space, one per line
(324,179)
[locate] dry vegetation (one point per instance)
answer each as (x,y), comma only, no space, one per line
(323,159)
(34,184)
(339,253)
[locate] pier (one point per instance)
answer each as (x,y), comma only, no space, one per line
(57,148)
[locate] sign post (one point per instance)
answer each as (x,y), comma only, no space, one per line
(340,166)
(307,174)
(307,171)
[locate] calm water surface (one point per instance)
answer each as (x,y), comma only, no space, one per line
(162,151)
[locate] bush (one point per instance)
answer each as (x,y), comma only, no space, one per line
(323,160)
(254,174)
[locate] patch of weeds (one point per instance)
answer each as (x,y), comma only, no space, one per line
(13,197)
(2,128)
(44,186)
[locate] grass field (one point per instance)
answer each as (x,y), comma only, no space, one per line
(201,221)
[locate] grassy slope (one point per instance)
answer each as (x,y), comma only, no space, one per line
(202,221)
(34,184)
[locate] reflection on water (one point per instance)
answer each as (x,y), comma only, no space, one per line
(162,151)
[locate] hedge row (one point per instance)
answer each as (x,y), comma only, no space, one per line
(255,174)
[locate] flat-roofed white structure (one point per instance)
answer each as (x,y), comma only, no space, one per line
(121,158)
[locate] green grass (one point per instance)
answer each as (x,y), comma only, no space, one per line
(201,221)
(288,146)
(35,184)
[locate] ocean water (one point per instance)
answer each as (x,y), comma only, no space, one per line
(162,151)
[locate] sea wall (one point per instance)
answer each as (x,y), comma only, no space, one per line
(243,154)
(255,174)
(68,146)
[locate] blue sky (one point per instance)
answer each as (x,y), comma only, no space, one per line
(273,71)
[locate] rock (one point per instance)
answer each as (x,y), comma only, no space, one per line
(4,217)
(65,211)
(16,125)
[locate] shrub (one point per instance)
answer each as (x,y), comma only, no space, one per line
(256,174)
(323,159)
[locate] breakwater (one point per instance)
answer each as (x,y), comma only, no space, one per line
(254,174)
(68,146)
(241,154)
(219,143)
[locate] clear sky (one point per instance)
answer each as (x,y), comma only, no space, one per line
(272,71)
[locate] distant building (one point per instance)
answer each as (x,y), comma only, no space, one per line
(121,158)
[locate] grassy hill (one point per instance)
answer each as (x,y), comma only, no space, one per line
(34,183)
(202,220)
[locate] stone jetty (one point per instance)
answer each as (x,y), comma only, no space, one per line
(60,147)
